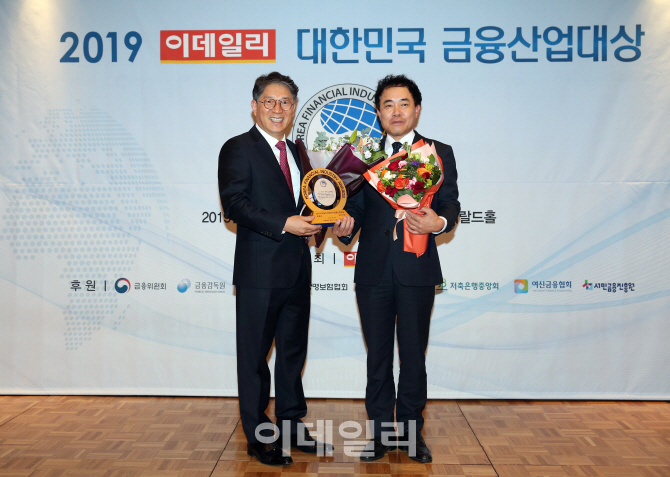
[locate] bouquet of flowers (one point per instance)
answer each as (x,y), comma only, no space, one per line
(408,180)
(349,157)
(362,145)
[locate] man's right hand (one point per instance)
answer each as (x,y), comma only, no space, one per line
(300,226)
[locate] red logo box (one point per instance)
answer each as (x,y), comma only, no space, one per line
(349,259)
(218,46)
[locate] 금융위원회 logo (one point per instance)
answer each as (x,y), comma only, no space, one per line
(337,111)
(521,286)
(184,285)
(122,285)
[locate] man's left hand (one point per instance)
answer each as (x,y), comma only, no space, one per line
(425,223)
(344,227)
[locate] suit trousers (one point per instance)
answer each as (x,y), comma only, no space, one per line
(264,315)
(379,306)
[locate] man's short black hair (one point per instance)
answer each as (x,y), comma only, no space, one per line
(393,81)
(264,81)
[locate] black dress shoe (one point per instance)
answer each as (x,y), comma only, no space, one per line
(310,445)
(422,452)
(268,454)
(374,450)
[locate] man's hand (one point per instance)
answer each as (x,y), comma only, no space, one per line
(344,227)
(423,222)
(300,226)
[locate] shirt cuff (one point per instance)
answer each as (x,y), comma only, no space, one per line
(442,229)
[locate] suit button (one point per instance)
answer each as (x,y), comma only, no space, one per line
(387,232)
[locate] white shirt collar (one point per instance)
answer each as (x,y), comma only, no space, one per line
(407,138)
(292,165)
(272,141)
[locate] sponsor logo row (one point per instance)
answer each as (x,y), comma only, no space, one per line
(562,286)
(521,286)
(123,285)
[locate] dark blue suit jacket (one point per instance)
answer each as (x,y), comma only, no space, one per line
(255,195)
(375,218)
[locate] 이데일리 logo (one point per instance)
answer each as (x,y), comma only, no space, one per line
(520,286)
(218,46)
(337,110)
(122,285)
(587,285)
(184,285)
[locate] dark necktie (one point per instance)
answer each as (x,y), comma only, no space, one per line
(396,147)
(283,163)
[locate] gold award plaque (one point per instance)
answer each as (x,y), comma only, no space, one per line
(325,194)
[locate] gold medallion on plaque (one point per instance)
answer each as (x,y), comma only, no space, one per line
(325,194)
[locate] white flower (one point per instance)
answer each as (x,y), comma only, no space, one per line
(424,160)
(367,154)
(375,146)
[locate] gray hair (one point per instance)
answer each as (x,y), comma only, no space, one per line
(264,81)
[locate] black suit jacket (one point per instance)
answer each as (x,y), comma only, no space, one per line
(255,195)
(376,218)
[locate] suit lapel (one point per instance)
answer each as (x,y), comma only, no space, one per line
(294,153)
(418,137)
(269,160)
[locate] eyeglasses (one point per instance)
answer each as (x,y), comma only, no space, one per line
(285,104)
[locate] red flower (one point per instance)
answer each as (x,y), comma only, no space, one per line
(380,186)
(393,166)
(426,175)
(400,183)
(390,191)
(419,187)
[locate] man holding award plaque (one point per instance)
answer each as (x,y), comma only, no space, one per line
(394,287)
(259,185)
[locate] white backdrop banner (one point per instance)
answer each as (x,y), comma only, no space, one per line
(116,263)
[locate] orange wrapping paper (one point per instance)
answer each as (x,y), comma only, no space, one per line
(413,243)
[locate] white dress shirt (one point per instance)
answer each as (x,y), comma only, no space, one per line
(292,166)
(408,138)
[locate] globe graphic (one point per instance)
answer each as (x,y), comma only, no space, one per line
(345,115)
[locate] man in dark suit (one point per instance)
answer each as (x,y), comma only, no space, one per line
(259,184)
(392,284)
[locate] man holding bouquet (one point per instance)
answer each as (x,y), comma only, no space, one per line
(259,184)
(395,287)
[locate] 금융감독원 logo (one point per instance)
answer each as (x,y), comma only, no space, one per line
(337,111)
(587,285)
(520,286)
(122,285)
(184,285)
